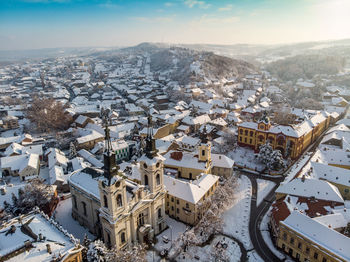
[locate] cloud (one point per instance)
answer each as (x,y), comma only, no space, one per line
(194,3)
(225,8)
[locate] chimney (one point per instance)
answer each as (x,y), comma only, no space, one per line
(48,248)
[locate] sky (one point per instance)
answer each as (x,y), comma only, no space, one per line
(33,24)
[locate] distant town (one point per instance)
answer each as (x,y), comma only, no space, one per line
(175,153)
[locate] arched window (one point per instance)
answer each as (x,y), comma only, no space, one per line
(146,180)
(141,219)
(84,207)
(75,202)
(105,202)
(159,212)
(122,238)
(158,179)
(119,200)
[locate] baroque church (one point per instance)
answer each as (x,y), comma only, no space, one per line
(116,209)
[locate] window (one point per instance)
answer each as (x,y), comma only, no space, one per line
(119,200)
(177,210)
(158,179)
(190,175)
(75,202)
(245,140)
(160,227)
(172,199)
(105,202)
(108,239)
(240,139)
(203,152)
(250,141)
(307,250)
(284,236)
(141,219)
(177,201)
(146,180)
(246,132)
(292,240)
(159,213)
(299,245)
(241,131)
(324,259)
(315,255)
(251,133)
(84,207)
(187,205)
(172,208)
(97,216)
(122,237)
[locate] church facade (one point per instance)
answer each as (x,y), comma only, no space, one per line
(116,209)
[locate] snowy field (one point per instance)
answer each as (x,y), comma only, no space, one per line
(236,219)
(245,157)
(207,253)
(264,188)
(63,215)
(175,229)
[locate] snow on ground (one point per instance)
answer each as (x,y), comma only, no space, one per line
(253,256)
(12,186)
(245,157)
(236,218)
(264,188)
(296,167)
(152,256)
(63,215)
(266,235)
(195,253)
(175,229)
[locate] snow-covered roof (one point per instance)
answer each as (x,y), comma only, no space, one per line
(220,160)
(334,221)
(60,241)
(187,160)
(192,191)
(318,189)
(320,234)
(20,162)
(332,174)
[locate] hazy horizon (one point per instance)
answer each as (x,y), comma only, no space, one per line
(37,24)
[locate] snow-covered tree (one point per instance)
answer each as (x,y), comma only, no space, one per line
(272,159)
(98,252)
(72,151)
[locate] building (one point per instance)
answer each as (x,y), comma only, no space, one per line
(222,165)
(119,210)
(307,239)
(290,140)
(185,198)
(34,237)
(24,166)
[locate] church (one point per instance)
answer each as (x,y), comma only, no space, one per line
(116,209)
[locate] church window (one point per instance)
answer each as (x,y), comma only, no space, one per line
(105,202)
(141,219)
(158,179)
(159,213)
(119,200)
(203,152)
(146,180)
(122,237)
(84,207)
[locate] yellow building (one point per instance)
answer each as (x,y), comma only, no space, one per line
(306,239)
(185,198)
(290,140)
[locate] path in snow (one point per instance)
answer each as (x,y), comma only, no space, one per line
(236,218)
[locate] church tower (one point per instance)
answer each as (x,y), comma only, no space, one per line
(112,188)
(204,149)
(151,164)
